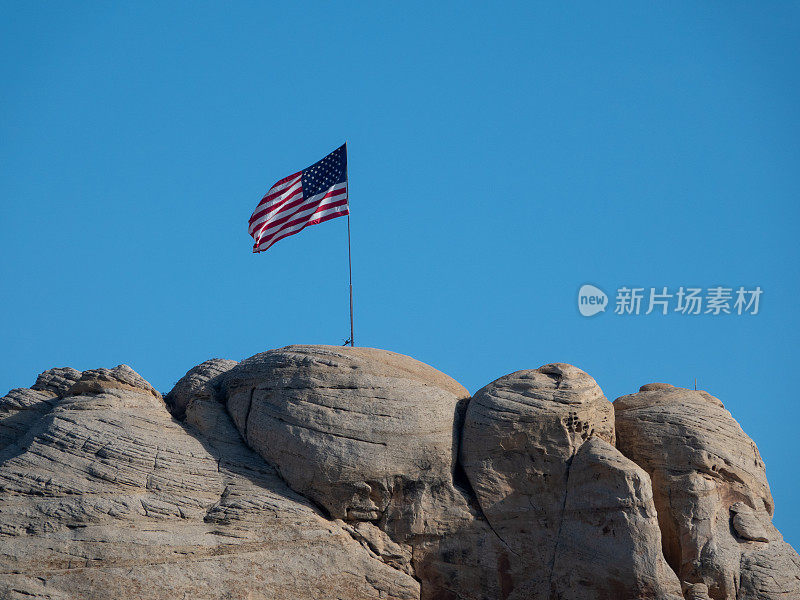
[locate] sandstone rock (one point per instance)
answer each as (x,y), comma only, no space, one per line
(121,377)
(21,407)
(520,434)
(711,493)
(747,525)
(380,544)
(200,382)
(466,561)
(360,431)
(106,495)
(609,543)
(696,591)
(57,381)
(769,572)
(372,436)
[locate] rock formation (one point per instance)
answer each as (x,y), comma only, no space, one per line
(107,496)
(362,432)
(609,543)
(711,493)
(538,451)
(371,437)
(353,473)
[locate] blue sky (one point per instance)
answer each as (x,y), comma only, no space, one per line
(500,157)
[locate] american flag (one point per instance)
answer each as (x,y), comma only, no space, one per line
(308,197)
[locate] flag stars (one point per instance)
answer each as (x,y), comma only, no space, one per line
(325,174)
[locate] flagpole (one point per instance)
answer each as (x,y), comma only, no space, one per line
(349,256)
(350,269)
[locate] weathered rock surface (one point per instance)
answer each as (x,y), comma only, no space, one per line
(360,431)
(19,409)
(609,543)
(520,434)
(121,377)
(108,490)
(711,493)
(23,406)
(200,383)
(106,495)
(372,436)
(57,381)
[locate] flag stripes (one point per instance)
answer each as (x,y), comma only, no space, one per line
(317,209)
(309,197)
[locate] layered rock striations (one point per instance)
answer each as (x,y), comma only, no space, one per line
(711,493)
(107,496)
(348,473)
(362,432)
(372,438)
(576,516)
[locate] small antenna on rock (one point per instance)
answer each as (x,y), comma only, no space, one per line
(695,384)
